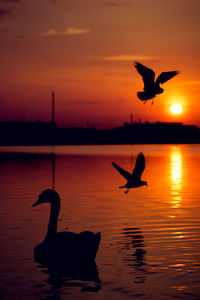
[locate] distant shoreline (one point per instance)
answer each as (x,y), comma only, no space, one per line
(41,133)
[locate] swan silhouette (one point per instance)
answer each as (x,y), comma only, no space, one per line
(152,87)
(64,246)
(134,179)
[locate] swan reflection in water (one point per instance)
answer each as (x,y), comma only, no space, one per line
(134,242)
(67,255)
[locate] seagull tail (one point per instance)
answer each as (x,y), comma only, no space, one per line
(143,96)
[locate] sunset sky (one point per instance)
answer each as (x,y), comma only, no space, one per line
(85,50)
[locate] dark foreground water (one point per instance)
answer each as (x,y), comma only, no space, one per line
(150,246)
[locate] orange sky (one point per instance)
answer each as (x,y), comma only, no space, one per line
(85,51)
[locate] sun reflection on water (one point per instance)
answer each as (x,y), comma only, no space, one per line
(176,177)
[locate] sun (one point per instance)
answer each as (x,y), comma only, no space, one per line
(176,108)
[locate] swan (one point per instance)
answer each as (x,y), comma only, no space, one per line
(134,179)
(64,246)
(152,87)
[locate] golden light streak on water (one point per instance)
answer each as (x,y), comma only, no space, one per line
(176,177)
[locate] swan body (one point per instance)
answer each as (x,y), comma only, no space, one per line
(64,246)
(134,179)
(152,86)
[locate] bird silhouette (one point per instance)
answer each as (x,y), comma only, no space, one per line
(65,246)
(134,179)
(152,86)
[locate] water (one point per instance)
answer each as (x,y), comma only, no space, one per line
(150,237)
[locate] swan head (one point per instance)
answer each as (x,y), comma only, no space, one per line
(47,196)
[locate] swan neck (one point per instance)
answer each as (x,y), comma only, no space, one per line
(53,220)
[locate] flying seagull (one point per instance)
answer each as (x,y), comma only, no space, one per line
(134,179)
(152,86)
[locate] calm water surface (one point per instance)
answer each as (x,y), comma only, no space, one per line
(150,246)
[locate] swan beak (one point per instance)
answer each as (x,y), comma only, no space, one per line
(37,202)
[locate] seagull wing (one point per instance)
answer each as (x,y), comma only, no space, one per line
(165,76)
(147,74)
(139,166)
(123,172)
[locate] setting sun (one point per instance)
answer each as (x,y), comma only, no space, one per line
(176,108)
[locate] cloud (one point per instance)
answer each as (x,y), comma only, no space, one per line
(4,12)
(116,3)
(125,57)
(68,31)
(54,1)
(72,30)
